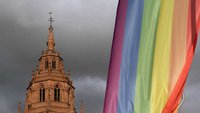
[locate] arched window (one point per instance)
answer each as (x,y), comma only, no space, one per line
(42,94)
(54,64)
(46,64)
(29,106)
(56,94)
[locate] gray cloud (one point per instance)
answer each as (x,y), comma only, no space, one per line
(95,88)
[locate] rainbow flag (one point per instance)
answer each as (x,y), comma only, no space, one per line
(153,47)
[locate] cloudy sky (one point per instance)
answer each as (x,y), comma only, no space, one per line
(83,33)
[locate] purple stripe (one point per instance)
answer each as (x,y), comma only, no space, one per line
(110,102)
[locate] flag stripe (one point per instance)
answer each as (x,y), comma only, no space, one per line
(130,56)
(159,92)
(198,16)
(178,46)
(110,103)
(146,55)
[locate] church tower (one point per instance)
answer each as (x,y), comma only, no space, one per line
(51,90)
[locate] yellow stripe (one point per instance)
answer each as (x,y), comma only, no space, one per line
(160,76)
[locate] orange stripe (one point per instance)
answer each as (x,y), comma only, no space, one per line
(178,44)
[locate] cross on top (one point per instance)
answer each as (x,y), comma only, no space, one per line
(51,18)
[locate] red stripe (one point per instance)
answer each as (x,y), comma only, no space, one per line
(193,26)
(198,15)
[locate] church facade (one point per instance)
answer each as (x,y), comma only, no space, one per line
(51,89)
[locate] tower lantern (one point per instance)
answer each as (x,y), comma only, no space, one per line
(50,89)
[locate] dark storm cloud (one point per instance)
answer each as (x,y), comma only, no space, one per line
(82,29)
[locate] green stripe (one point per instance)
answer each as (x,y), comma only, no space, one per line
(146,56)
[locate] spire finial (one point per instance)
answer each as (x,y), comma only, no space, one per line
(82,109)
(50,18)
(19,107)
(50,42)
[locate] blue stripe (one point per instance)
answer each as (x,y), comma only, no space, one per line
(130,56)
